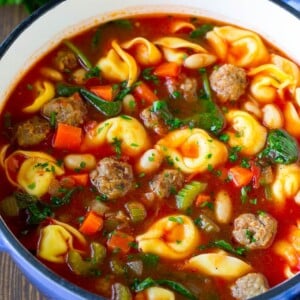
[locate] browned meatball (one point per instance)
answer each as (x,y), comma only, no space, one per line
(65,60)
(68,110)
(229,82)
(32,131)
(112,178)
(186,86)
(154,121)
(255,232)
(248,286)
(167,182)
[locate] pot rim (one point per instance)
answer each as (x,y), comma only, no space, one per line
(14,248)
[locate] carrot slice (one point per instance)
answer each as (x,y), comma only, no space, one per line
(240,176)
(105,92)
(143,92)
(167,69)
(67,137)
(120,240)
(201,198)
(91,224)
(81,179)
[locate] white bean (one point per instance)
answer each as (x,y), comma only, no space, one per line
(129,104)
(199,60)
(223,207)
(82,162)
(252,107)
(272,116)
(149,162)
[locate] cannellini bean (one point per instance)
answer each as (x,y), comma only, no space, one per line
(272,116)
(79,76)
(253,108)
(84,162)
(199,60)
(129,104)
(51,74)
(223,207)
(150,161)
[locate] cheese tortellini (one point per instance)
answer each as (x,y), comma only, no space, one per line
(248,133)
(118,65)
(219,264)
(178,50)
(192,150)
(34,173)
(155,293)
(56,240)
(145,52)
(127,130)
(172,237)
(292,119)
(289,249)
(45,92)
(270,80)
(286,183)
(239,47)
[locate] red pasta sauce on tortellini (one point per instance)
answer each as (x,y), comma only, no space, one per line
(157,156)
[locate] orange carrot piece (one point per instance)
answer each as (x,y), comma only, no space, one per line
(91,224)
(167,69)
(67,137)
(143,92)
(240,176)
(105,92)
(201,198)
(81,179)
(120,240)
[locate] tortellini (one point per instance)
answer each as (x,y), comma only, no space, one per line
(145,52)
(178,25)
(45,92)
(32,171)
(128,131)
(118,65)
(173,237)
(178,50)
(56,240)
(273,78)
(286,183)
(239,47)
(192,150)
(219,264)
(289,248)
(292,119)
(248,133)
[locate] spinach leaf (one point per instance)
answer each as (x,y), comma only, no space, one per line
(281,148)
(139,286)
(201,31)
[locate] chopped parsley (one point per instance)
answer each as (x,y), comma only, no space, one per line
(178,220)
(117,146)
(250,236)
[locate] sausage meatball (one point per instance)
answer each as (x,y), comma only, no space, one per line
(255,232)
(153,121)
(68,110)
(186,86)
(112,178)
(32,132)
(167,182)
(65,60)
(248,286)
(229,82)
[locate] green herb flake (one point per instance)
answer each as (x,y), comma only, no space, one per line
(178,220)
(224,137)
(31,186)
(117,146)
(250,236)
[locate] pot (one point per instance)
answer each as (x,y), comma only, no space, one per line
(275,21)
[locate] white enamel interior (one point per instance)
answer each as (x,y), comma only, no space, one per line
(274,23)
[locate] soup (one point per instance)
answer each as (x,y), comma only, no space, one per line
(155,157)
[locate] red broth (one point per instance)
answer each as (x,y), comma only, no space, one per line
(221,185)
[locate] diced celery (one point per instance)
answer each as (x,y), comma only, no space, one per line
(136,211)
(187,195)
